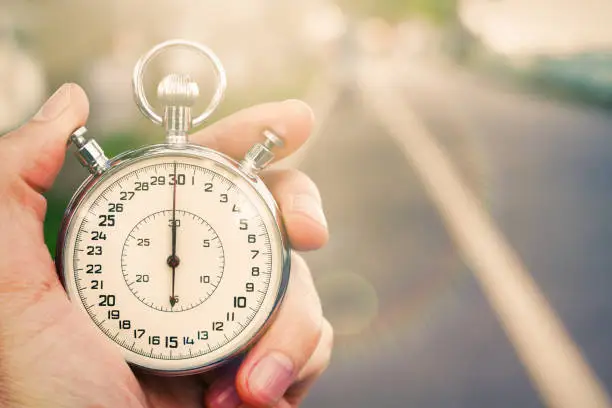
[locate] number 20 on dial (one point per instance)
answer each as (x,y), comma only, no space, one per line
(175,252)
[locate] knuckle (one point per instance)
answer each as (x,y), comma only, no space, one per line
(321,356)
(292,181)
(302,285)
(27,198)
(300,178)
(314,340)
(327,336)
(312,329)
(301,312)
(13,187)
(325,346)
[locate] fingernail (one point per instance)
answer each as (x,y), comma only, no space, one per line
(271,377)
(309,206)
(55,105)
(224,395)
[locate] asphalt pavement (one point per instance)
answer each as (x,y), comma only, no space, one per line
(413,327)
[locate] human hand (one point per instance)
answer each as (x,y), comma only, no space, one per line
(51,355)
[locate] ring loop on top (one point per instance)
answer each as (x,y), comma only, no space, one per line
(138,87)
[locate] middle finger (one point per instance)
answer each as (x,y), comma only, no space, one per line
(300,204)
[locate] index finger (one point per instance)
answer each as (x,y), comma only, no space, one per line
(292,120)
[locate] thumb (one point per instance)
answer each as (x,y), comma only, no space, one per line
(35,151)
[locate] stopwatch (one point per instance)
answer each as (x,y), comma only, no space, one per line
(176,252)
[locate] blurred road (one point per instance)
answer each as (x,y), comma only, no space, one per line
(543,171)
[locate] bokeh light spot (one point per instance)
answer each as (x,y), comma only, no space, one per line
(350,302)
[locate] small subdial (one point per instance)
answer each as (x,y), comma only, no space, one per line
(147,261)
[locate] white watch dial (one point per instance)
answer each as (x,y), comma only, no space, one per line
(177,259)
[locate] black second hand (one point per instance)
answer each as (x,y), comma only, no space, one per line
(173,258)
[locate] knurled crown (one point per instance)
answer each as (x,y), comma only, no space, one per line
(178,93)
(178,90)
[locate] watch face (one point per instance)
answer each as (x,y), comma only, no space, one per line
(177,258)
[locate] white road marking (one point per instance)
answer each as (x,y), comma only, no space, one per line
(554,362)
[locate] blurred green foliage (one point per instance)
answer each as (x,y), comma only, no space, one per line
(56,204)
(438,11)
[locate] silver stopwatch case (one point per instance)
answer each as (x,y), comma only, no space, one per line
(178,93)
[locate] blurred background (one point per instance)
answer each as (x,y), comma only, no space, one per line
(515,96)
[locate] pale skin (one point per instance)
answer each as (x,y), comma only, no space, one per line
(51,355)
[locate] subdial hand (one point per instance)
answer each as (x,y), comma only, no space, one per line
(173,260)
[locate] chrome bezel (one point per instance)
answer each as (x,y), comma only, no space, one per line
(189,150)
